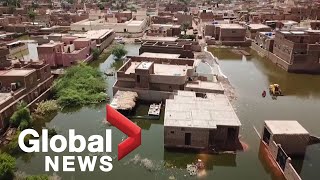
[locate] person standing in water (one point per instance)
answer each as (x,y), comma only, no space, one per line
(264,93)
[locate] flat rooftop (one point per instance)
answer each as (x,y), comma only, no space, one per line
(207,85)
(16,72)
(160,55)
(188,109)
(134,23)
(99,22)
(289,22)
(231,26)
(144,65)
(4,97)
(165,25)
(162,69)
(154,38)
(285,127)
(94,34)
(51,44)
(258,26)
(293,32)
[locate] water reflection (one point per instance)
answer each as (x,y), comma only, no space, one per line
(224,53)
(141,109)
(301,85)
(311,162)
(181,159)
(268,163)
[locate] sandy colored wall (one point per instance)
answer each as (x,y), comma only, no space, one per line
(175,137)
(289,172)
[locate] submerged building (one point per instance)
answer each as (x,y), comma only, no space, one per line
(282,140)
(28,82)
(203,121)
(227,34)
(197,113)
(156,76)
(293,51)
(297,51)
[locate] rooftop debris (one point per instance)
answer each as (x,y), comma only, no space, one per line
(124,100)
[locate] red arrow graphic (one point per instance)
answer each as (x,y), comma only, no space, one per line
(126,126)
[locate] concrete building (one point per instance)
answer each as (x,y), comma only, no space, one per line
(16,46)
(287,24)
(131,26)
(203,121)
(206,15)
(65,18)
(315,25)
(103,38)
(178,18)
(183,18)
(162,20)
(28,82)
(265,40)
(254,29)
(282,139)
(293,138)
(228,34)
(175,7)
(209,27)
(164,30)
(68,52)
(154,78)
(297,51)
(4,62)
(185,49)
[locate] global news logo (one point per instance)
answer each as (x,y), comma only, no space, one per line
(76,143)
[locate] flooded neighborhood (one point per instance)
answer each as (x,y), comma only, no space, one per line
(214,90)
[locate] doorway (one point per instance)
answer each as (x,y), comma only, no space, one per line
(232,132)
(187,139)
(266,136)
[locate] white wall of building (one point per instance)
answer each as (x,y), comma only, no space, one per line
(129,26)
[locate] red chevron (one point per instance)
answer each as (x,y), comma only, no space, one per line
(126,126)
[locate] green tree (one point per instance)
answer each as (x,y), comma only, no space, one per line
(13,147)
(21,118)
(119,51)
(132,9)
(7,166)
(32,15)
(185,26)
(80,85)
(95,53)
(101,7)
(70,1)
